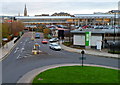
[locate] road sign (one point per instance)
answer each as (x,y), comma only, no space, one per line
(87,38)
(82,52)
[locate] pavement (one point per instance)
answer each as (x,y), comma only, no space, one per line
(4,50)
(28,77)
(102,53)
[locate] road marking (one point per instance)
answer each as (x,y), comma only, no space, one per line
(16,49)
(49,54)
(18,56)
(22,49)
(27,55)
(20,42)
(59,52)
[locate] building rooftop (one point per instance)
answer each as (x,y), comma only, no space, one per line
(95,15)
(43,17)
(67,17)
(96,31)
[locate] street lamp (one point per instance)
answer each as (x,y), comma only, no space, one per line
(69,32)
(11,25)
(114,23)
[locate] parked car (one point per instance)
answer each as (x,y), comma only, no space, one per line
(53,40)
(54,46)
(44,41)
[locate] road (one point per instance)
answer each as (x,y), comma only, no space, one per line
(21,60)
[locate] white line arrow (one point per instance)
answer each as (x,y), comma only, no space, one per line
(16,49)
(18,56)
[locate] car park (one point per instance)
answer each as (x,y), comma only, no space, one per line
(54,46)
(53,40)
(44,41)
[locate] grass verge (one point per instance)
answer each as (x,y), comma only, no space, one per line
(77,74)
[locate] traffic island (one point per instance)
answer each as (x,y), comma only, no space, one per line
(78,74)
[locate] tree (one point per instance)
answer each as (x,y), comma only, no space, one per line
(46,31)
(17,26)
(40,28)
(11,28)
(5,29)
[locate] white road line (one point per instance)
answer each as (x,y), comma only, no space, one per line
(49,54)
(20,42)
(59,52)
(18,56)
(16,49)
(22,49)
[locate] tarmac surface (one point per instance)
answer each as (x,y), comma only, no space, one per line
(20,60)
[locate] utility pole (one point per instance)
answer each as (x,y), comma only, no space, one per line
(11,26)
(69,32)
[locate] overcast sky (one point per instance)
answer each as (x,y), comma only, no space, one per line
(37,7)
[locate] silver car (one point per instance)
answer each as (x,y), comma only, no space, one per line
(54,46)
(53,40)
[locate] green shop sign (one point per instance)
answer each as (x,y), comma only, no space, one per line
(20,33)
(87,38)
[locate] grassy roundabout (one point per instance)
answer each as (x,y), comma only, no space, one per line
(77,74)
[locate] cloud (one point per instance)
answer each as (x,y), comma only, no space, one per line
(59,0)
(34,8)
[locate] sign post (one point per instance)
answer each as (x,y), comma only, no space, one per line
(82,58)
(87,39)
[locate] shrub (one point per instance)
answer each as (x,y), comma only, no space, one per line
(114,52)
(67,43)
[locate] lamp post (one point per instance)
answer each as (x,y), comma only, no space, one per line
(11,26)
(114,24)
(69,32)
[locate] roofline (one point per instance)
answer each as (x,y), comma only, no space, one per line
(43,17)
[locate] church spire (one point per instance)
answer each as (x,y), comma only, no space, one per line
(25,11)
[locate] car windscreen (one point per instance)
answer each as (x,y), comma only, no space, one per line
(55,45)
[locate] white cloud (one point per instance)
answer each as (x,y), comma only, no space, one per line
(59,0)
(37,8)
